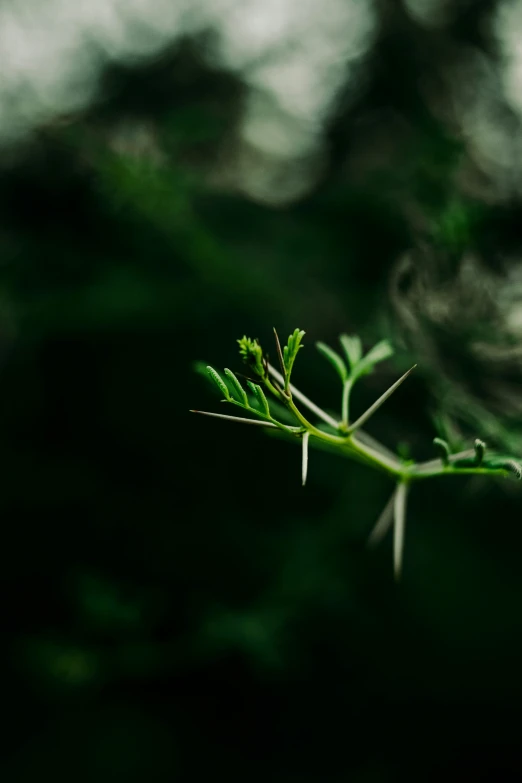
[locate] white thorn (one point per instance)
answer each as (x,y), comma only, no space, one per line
(237,418)
(400,526)
(377,404)
(306,437)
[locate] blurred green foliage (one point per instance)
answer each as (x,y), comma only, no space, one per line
(163,624)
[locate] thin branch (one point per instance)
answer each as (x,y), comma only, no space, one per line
(377,404)
(304,470)
(400,527)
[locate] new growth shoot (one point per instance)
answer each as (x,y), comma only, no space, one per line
(343,434)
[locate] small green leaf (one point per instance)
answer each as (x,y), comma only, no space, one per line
(220,383)
(260,396)
(378,353)
(334,359)
(291,348)
(252,354)
(353,349)
(240,394)
(290,352)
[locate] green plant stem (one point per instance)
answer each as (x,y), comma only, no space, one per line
(393,468)
(451,471)
(451,458)
(347,388)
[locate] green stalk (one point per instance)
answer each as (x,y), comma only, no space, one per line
(347,388)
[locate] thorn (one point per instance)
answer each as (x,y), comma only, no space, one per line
(304,471)
(236,418)
(399,529)
(383,523)
(279,352)
(377,404)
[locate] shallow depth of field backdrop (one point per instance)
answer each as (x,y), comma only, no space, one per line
(175,174)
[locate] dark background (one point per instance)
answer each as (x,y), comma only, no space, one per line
(176,605)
